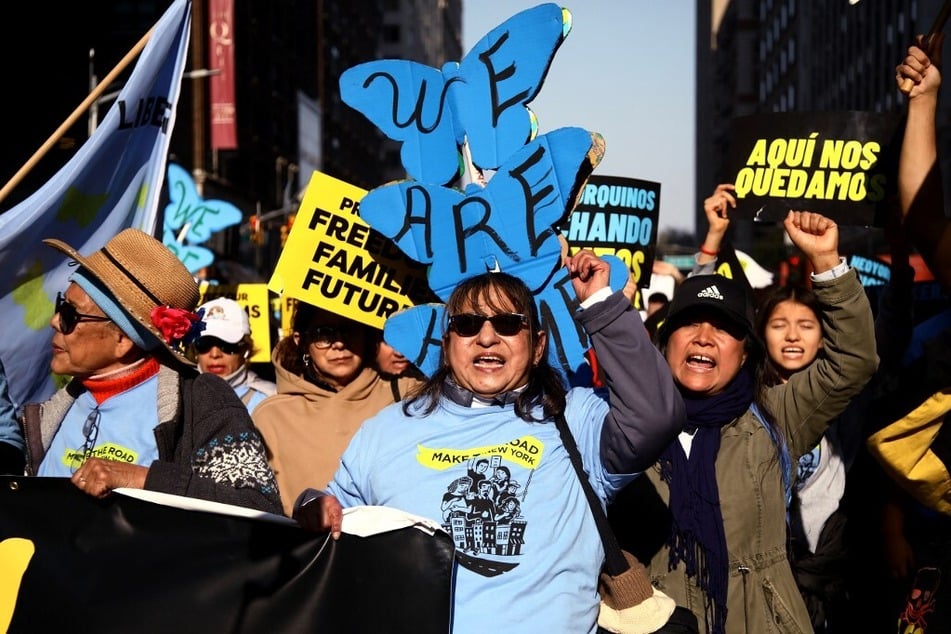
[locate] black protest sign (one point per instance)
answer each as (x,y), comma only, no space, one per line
(840,164)
(617,216)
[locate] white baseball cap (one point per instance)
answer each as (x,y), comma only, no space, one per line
(225,319)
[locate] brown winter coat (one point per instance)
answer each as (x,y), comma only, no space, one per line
(306,428)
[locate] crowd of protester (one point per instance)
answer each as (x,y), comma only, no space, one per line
(741,441)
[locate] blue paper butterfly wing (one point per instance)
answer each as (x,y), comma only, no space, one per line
(210,217)
(511,223)
(187,207)
(557,302)
(195,258)
(181,195)
(417,334)
(407,101)
(502,73)
(416,216)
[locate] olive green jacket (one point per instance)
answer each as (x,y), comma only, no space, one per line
(762,596)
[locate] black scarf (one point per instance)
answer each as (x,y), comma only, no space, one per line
(697,537)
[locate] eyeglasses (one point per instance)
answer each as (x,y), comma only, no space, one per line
(470,324)
(205,344)
(324,336)
(69,316)
(91,436)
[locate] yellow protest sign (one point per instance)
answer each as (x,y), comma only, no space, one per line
(333,260)
(254,299)
(288,304)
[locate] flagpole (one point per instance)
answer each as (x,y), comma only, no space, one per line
(78,112)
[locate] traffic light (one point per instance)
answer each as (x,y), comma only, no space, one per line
(286,228)
(257,231)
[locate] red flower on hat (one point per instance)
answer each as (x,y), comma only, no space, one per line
(176,325)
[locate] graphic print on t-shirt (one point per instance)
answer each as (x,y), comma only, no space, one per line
(482,506)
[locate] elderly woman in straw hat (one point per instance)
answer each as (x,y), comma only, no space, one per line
(136,413)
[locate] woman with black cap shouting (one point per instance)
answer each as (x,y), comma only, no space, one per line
(726,480)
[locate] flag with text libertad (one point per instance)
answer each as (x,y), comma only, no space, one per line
(112,182)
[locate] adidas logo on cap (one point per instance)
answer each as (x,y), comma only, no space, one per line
(711,292)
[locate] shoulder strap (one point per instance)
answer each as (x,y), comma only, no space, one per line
(785,462)
(615,562)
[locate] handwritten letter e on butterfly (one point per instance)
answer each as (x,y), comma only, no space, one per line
(480,100)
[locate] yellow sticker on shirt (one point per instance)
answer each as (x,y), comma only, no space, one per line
(525,451)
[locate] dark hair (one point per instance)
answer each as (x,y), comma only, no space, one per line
(545,387)
(791,292)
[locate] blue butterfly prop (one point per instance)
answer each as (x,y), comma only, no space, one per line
(194,257)
(480,101)
(510,226)
(187,207)
(417,332)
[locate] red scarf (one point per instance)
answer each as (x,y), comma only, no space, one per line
(121,380)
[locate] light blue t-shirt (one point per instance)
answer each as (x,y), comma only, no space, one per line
(126,431)
(528,550)
(250,397)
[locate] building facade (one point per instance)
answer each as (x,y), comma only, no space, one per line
(758,56)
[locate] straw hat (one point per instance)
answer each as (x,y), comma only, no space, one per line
(141,274)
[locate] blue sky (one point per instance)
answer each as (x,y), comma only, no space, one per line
(626,70)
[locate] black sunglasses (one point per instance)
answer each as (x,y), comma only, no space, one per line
(205,344)
(69,316)
(469,324)
(324,336)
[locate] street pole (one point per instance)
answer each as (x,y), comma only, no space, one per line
(94,108)
(198,97)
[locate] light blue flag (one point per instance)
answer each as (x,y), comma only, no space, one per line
(112,182)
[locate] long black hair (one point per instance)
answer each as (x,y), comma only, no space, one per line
(501,292)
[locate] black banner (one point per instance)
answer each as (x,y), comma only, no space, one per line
(840,164)
(617,216)
(128,565)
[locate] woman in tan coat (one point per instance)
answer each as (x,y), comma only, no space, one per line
(326,388)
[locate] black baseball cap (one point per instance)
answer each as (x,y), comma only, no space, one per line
(722,294)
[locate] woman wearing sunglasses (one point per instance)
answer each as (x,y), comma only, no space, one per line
(135,413)
(224,348)
(326,387)
(496,396)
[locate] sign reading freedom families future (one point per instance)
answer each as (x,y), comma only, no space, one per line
(617,216)
(840,164)
(335,261)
